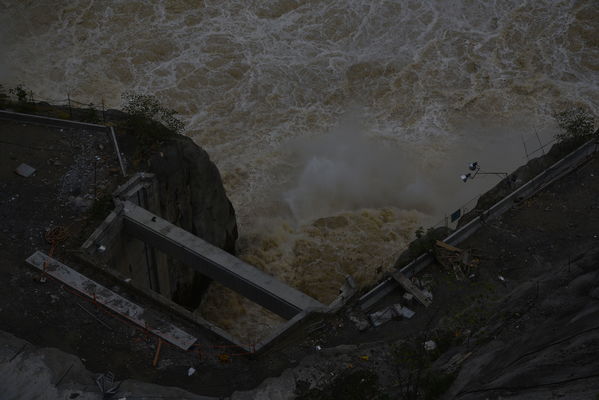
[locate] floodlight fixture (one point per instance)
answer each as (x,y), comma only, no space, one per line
(475,167)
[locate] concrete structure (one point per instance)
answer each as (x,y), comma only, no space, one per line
(111,300)
(133,243)
(215,263)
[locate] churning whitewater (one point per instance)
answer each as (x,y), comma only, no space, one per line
(338,127)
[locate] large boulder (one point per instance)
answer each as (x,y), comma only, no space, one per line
(193,197)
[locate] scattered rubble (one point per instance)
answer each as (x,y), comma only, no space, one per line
(461,262)
(430,345)
(385,315)
(25,170)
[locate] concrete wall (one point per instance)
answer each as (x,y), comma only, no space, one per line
(131,258)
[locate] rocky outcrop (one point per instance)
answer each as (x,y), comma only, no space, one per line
(30,372)
(192,196)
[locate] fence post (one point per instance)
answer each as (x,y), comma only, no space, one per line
(103,111)
(525,149)
(70,109)
(539,139)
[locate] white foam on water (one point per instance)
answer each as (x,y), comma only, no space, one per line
(338,128)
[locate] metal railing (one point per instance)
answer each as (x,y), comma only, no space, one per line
(69,103)
(451,219)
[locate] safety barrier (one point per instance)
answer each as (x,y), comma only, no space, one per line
(542,180)
(66,124)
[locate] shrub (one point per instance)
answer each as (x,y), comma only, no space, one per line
(3,97)
(20,92)
(90,114)
(141,107)
(574,122)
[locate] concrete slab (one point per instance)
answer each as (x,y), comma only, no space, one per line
(215,263)
(111,300)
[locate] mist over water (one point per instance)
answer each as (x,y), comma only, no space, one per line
(338,127)
(345,170)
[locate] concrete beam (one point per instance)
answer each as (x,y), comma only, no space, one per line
(140,316)
(215,263)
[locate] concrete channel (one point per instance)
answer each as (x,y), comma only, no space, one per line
(215,263)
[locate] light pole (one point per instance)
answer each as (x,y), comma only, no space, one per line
(475,168)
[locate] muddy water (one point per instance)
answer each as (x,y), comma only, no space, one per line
(338,127)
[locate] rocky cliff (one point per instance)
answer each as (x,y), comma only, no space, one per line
(192,196)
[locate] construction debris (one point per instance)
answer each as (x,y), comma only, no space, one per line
(430,345)
(361,323)
(411,288)
(460,262)
(157,355)
(395,311)
(25,170)
(106,384)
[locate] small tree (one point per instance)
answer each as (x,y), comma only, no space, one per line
(3,96)
(90,114)
(20,92)
(145,107)
(575,122)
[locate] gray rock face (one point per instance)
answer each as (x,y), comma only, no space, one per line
(30,372)
(192,196)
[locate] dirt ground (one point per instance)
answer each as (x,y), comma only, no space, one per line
(545,249)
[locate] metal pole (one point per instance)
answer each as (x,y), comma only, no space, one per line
(539,139)
(118,152)
(525,149)
(70,109)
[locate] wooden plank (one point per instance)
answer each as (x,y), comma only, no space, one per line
(447,246)
(111,300)
(407,284)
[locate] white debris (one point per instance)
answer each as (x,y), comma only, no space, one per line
(360,323)
(402,311)
(396,310)
(427,294)
(191,371)
(408,296)
(430,345)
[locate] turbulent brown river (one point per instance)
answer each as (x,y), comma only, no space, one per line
(339,127)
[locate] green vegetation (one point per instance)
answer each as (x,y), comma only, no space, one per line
(149,121)
(574,122)
(142,109)
(22,96)
(90,114)
(3,97)
(20,92)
